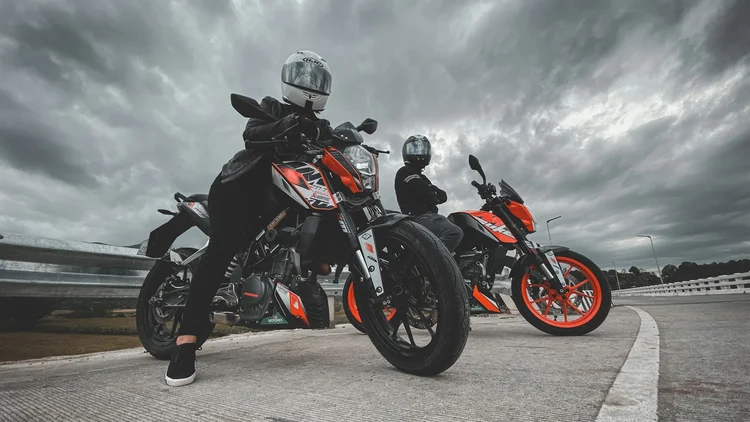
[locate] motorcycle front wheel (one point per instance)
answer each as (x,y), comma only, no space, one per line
(424,284)
(580,310)
(349,304)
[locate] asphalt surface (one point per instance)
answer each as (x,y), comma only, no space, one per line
(704,355)
(509,371)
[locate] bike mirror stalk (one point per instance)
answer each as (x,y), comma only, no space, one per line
(474,164)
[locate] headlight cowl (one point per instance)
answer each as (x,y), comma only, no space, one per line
(365,164)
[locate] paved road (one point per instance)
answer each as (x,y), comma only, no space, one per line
(509,371)
(704,354)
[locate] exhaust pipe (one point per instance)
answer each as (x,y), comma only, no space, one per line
(224,318)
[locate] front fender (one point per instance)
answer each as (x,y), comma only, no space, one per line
(553,248)
(389,220)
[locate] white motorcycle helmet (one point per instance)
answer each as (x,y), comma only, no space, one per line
(306,80)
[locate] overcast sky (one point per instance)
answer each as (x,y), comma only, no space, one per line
(625,117)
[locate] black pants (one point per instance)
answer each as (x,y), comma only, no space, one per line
(449,233)
(231,206)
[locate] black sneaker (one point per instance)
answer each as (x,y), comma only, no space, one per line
(181,369)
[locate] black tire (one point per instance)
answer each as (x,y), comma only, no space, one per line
(452,306)
(160,346)
(592,321)
(350,315)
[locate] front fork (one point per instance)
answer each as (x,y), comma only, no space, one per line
(365,251)
(546,261)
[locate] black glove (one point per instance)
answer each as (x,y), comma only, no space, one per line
(326,131)
(308,127)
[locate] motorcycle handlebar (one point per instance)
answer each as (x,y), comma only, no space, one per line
(476,184)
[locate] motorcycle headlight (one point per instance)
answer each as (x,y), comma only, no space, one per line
(365,164)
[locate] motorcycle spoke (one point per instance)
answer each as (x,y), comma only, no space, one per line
(565,311)
(575,308)
(567,273)
(408,331)
(549,305)
(425,321)
(578,293)
(579,284)
(177,317)
(547,298)
(543,286)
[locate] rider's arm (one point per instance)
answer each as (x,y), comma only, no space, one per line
(440,194)
(422,189)
(261,130)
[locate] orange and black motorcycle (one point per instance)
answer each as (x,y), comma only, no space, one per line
(555,289)
(323,208)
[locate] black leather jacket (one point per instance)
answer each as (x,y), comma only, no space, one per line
(261,130)
(415,193)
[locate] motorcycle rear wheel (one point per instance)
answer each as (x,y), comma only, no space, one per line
(418,273)
(153,326)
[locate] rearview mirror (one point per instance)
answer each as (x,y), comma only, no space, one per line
(249,108)
(368,126)
(474,164)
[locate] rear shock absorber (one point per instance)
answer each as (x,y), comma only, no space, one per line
(230,270)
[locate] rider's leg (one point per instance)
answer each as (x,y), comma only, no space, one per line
(231,205)
(449,233)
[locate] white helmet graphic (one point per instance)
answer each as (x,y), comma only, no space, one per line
(306,80)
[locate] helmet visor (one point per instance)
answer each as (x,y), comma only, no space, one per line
(418,147)
(310,75)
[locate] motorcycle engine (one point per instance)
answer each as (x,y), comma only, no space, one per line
(256,294)
(474,267)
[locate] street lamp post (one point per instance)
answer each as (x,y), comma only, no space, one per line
(661,280)
(616,277)
(548,234)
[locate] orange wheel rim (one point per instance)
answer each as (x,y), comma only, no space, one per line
(389,311)
(571,314)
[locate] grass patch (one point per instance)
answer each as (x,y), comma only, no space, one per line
(63,334)
(32,345)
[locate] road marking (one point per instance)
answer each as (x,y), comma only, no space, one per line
(633,395)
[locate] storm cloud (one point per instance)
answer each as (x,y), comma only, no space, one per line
(623,117)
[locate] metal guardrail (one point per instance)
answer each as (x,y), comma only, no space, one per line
(49,268)
(726,284)
(40,267)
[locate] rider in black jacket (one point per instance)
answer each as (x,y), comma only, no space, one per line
(417,196)
(234,198)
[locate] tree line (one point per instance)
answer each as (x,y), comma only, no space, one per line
(636,277)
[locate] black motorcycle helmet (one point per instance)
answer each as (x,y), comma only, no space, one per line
(417,151)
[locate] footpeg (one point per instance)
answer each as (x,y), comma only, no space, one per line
(226,295)
(224,318)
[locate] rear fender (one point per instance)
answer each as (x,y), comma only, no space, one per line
(161,238)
